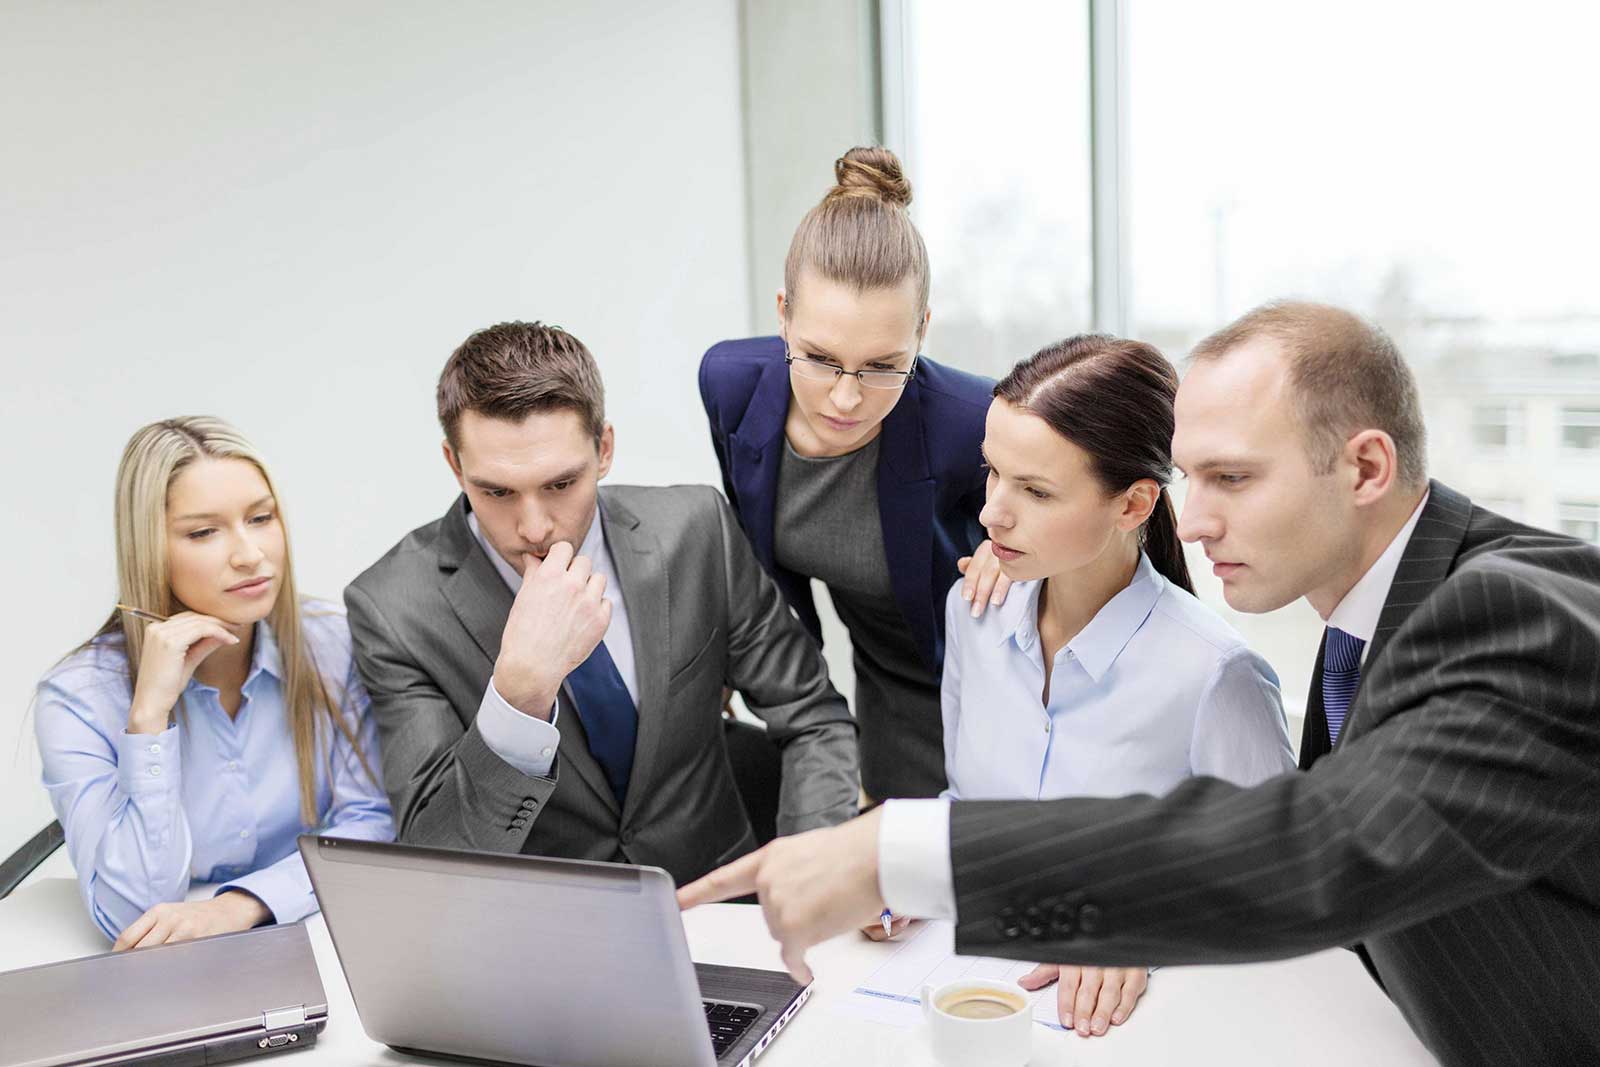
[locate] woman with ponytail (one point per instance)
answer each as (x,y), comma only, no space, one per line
(1101,675)
(852,459)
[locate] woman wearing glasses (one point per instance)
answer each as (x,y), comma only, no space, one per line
(853,460)
(194,738)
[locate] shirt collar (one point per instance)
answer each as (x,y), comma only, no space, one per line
(264,657)
(593,547)
(1098,644)
(1358,612)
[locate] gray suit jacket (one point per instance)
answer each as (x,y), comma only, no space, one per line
(427,620)
(1454,829)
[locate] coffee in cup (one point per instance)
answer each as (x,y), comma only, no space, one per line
(978,1023)
(981,1003)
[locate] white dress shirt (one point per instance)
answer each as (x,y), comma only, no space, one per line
(1358,611)
(528,742)
(914,871)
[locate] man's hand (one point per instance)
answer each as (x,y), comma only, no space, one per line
(1090,999)
(222,914)
(559,615)
(812,886)
(984,583)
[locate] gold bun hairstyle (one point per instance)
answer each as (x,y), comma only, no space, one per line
(861,234)
(870,172)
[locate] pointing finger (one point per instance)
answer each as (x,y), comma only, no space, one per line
(795,961)
(737,879)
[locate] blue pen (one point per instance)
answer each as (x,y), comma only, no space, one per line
(888,922)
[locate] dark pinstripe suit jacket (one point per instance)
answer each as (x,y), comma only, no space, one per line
(1454,830)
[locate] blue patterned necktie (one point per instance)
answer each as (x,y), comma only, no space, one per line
(1341,674)
(609,718)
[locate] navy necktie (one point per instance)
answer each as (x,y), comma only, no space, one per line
(609,718)
(1341,674)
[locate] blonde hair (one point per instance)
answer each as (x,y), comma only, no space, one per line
(861,233)
(154,457)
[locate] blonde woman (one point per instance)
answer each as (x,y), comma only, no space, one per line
(198,747)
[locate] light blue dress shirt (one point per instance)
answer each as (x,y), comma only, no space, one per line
(210,799)
(1155,689)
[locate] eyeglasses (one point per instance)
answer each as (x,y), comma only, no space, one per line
(816,370)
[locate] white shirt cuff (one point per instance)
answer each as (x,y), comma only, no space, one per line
(914,873)
(526,742)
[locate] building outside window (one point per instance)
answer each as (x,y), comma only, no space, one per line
(1581,520)
(1580,429)
(1355,172)
(1497,427)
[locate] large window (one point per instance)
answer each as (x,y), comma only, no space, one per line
(1425,166)
(997,131)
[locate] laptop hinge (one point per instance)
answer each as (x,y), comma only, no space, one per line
(283,1018)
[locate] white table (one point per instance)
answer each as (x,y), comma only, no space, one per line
(1320,1009)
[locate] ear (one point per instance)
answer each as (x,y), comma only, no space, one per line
(1373,464)
(783,314)
(607,449)
(454,461)
(1138,503)
(922,327)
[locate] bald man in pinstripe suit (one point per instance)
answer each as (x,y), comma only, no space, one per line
(1448,819)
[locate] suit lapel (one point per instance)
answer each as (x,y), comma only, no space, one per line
(1429,557)
(473,588)
(905,510)
(753,459)
(642,579)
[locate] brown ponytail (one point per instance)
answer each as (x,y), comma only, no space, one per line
(861,233)
(1112,398)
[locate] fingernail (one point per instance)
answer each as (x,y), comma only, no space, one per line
(997,598)
(1099,1026)
(1083,1027)
(1118,1017)
(977,609)
(966,594)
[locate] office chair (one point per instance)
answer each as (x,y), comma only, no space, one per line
(758,772)
(24,860)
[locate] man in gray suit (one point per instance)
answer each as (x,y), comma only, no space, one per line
(1447,821)
(547,660)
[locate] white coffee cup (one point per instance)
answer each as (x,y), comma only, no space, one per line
(978,1023)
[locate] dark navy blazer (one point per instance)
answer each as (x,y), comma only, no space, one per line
(930,474)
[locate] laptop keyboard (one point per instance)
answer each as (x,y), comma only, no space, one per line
(728,1022)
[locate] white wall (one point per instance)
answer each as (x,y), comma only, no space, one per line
(288,214)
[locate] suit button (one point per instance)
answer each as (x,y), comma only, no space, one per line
(1006,924)
(528,804)
(1061,922)
(1089,918)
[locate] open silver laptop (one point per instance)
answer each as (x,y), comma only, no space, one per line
(194,1002)
(527,960)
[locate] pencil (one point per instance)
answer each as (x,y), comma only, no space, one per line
(141,613)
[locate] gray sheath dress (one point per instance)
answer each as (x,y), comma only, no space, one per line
(827,527)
